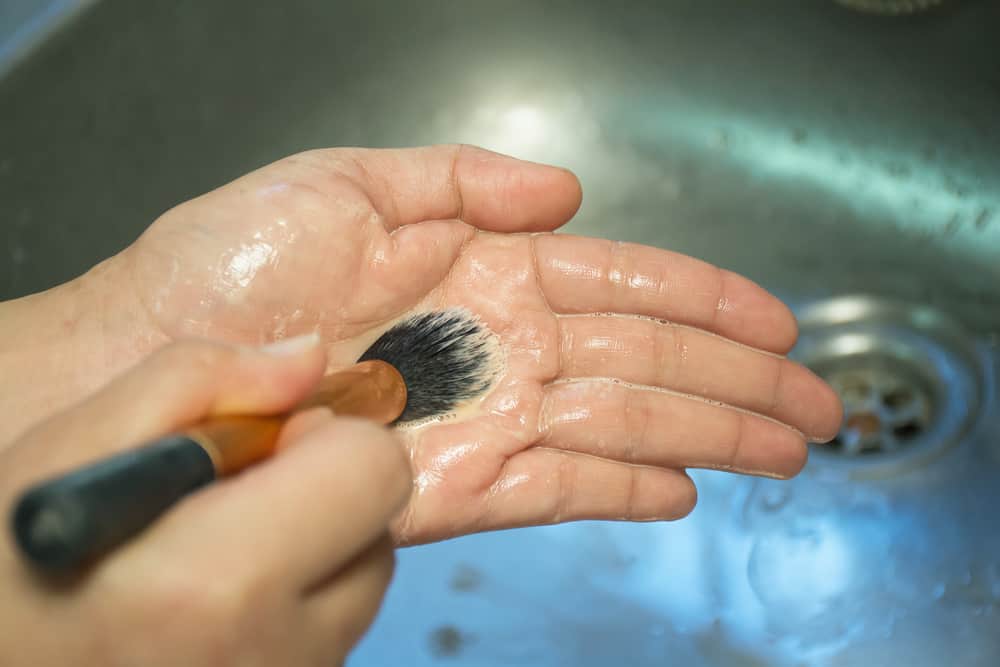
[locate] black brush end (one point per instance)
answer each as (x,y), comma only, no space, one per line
(446,357)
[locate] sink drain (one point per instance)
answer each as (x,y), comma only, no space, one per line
(884,411)
(909,377)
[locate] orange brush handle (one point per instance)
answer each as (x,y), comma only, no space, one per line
(371,389)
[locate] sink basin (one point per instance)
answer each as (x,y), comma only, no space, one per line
(846,161)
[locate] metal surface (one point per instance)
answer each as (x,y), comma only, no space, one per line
(890,7)
(24,24)
(821,151)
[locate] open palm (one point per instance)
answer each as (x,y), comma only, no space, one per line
(625,364)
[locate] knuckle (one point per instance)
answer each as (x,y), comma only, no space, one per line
(777,379)
(311,155)
(314,158)
(637,415)
(459,150)
(680,340)
(308,176)
(565,491)
(618,270)
(733,444)
(668,353)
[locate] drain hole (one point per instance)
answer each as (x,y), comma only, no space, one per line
(898,398)
(907,431)
(865,424)
(886,407)
(855,389)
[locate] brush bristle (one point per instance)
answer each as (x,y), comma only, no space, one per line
(446,357)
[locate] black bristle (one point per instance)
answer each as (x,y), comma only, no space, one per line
(446,357)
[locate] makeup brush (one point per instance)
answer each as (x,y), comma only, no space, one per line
(421,368)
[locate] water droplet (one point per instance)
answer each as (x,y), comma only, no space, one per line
(720,139)
(774,498)
(939,590)
(447,641)
(954,224)
(993,573)
(983,219)
(466,579)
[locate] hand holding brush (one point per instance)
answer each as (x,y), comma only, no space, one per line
(284,564)
(421,368)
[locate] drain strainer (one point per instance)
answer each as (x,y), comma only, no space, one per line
(909,377)
(885,409)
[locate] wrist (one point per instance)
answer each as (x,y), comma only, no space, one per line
(62,344)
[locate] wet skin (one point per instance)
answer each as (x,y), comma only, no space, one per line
(624,364)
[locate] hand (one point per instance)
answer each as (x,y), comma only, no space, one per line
(627,364)
(284,564)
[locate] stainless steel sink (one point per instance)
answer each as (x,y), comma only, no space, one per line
(849,162)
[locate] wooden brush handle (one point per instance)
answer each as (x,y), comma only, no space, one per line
(69,521)
(371,389)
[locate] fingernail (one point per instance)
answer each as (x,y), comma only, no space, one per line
(289,347)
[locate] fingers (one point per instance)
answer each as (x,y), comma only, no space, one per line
(648,427)
(686,360)
(310,509)
(581,275)
(485,189)
(343,608)
(542,486)
(175,386)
